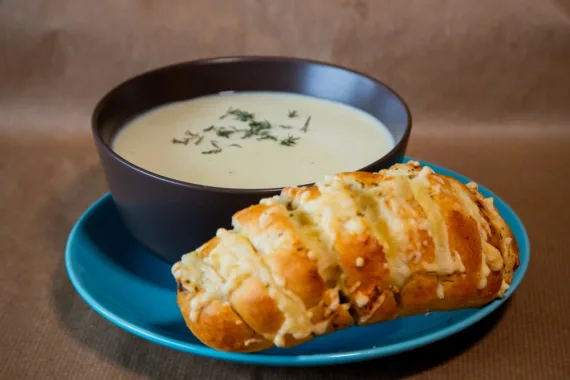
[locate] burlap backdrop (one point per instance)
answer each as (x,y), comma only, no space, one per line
(488,83)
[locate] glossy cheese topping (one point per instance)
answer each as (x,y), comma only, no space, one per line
(404,210)
(236,260)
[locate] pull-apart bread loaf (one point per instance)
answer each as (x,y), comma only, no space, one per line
(355,249)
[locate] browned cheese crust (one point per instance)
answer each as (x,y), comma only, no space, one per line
(357,248)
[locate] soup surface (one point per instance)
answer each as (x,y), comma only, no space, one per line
(253,140)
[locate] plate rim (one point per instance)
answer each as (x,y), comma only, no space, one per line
(316,359)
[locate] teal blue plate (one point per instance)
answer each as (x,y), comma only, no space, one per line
(127,285)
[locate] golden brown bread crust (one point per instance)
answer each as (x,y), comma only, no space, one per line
(219,326)
(287,259)
(355,249)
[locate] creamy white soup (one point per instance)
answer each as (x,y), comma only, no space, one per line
(253,140)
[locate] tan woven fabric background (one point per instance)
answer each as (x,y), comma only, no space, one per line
(488,83)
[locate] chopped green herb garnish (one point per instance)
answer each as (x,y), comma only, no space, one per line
(213,151)
(222,132)
(306,126)
(238,114)
(193,136)
(183,141)
(247,134)
(216,149)
(260,125)
(289,141)
(258,129)
(266,136)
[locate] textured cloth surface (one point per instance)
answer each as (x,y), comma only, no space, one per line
(488,83)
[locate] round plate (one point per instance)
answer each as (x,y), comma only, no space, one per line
(130,287)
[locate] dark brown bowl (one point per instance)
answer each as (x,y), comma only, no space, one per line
(171,217)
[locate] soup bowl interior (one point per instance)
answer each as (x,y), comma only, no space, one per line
(171,217)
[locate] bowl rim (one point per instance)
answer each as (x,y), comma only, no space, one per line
(101,104)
